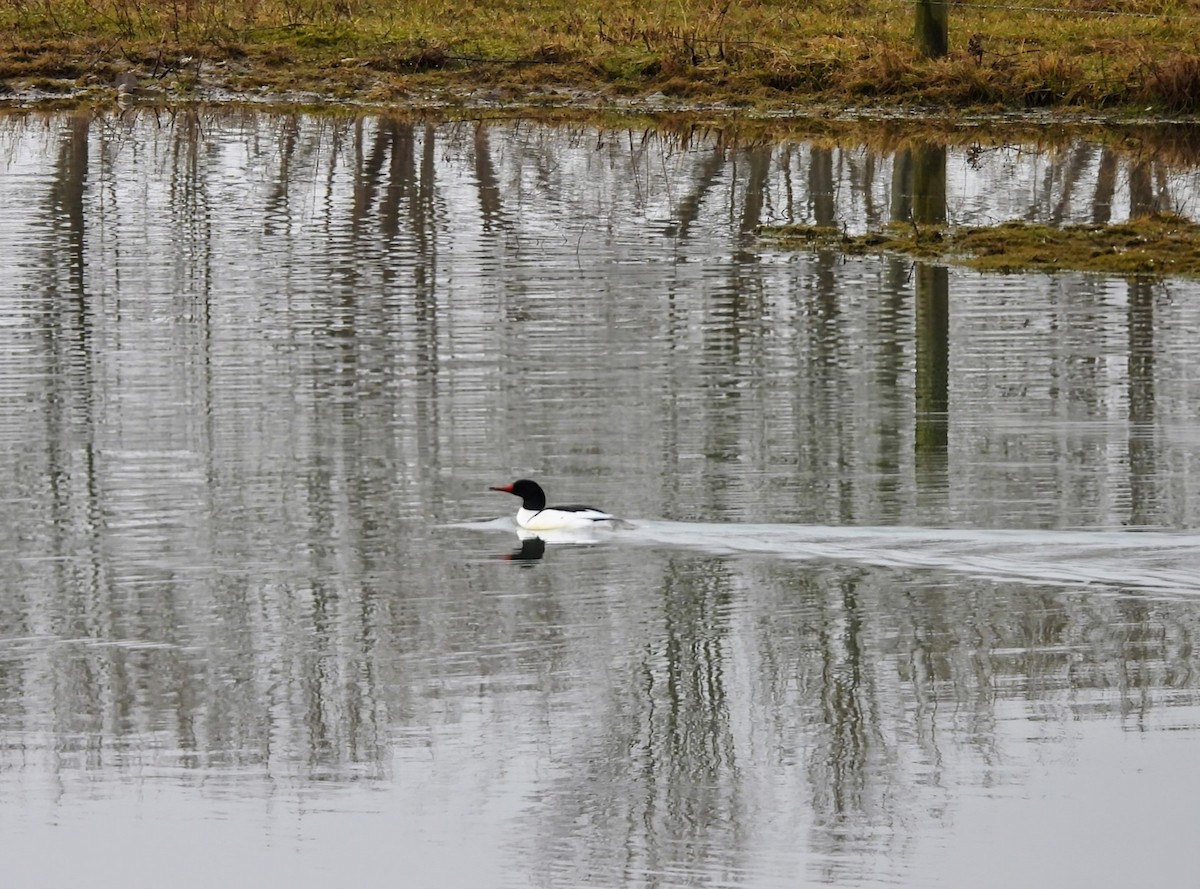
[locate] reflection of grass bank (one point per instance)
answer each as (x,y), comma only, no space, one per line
(1159,245)
(1133,54)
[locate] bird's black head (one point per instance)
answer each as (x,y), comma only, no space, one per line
(531,493)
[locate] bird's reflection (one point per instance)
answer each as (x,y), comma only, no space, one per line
(531,549)
(533,545)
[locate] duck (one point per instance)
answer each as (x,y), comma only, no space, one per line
(534,515)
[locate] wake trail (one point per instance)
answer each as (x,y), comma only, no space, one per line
(1149,561)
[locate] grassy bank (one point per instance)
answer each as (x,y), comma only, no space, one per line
(1117,55)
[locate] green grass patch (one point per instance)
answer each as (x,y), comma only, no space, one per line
(1158,245)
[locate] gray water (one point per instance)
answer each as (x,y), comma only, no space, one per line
(909,591)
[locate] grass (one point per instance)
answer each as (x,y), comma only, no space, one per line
(1096,54)
(1152,245)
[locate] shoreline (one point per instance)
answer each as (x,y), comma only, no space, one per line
(761,59)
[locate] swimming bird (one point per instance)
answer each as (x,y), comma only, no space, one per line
(534,515)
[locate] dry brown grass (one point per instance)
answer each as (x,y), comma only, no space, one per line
(1098,53)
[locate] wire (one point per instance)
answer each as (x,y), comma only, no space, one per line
(1059,10)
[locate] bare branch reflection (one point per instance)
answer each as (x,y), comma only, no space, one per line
(253,364)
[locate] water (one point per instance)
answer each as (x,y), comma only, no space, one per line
(909,594)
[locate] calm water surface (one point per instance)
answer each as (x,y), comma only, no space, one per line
(911,594)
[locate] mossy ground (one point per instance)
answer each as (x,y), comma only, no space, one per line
(1151,245)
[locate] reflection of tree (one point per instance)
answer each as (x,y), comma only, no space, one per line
(758,160)
(848,734)
(1142,198)
(891,380)
(656,778)
(1143,448)
(1106,186)
(928,184)
(687,730)
(821,186)
(275,210)
(926,165)
(933,361)
(490,204)
(71,452)
(69,344)
(688,209)
(866,694)
(734,332)
(305,612)
(1077,157)
(863,167)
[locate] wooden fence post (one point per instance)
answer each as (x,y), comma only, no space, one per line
(933,20)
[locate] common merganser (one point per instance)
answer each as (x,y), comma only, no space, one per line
(535,516)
